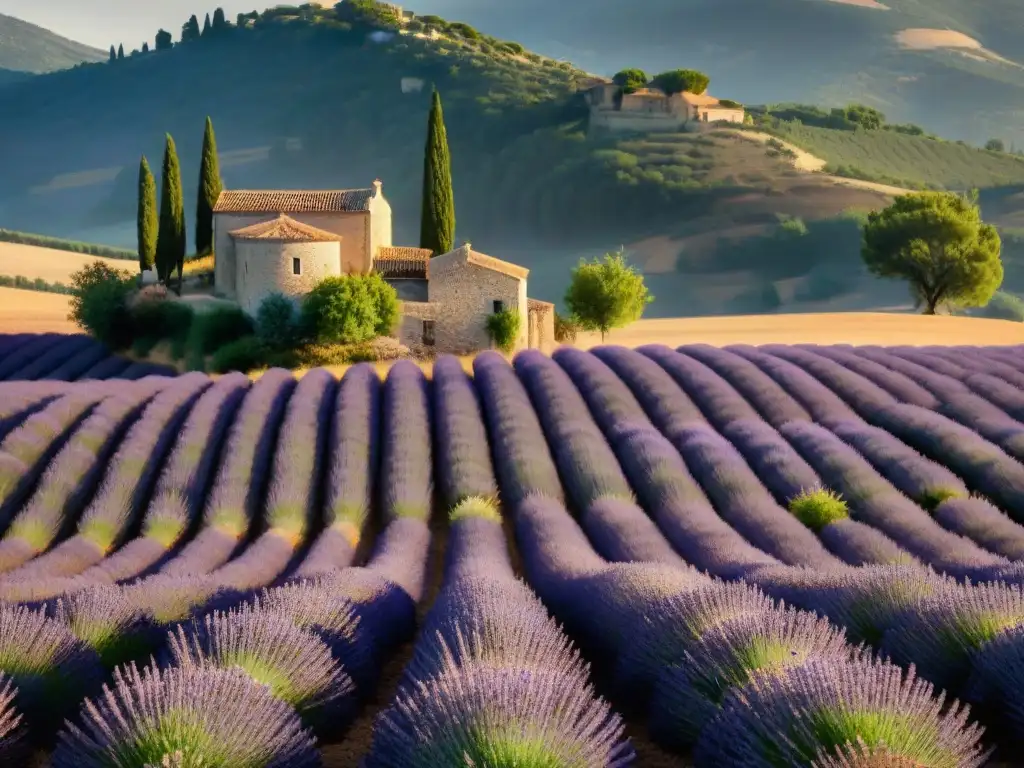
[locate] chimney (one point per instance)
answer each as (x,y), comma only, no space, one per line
(377,184)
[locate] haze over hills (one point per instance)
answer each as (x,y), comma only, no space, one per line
(303,99)
(827,52)
(25,47)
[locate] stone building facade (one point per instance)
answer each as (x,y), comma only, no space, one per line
(649,109)
(288,241)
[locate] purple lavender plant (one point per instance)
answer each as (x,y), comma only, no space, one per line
(238,486)
(820,706)
(12,733)
(999,392)
(354,457)
(777,464)
(667,628)
(984,467)
(295,664)
(586,462)
(406,470)
(24,354)
(983,522)
(944,630)
(620,531)
(68,347)
(464,457)
(687,696)
(773,403)
(522,458)
(50,667)
(935,379)
(219,716)
(482,715)
(897,384)
(107,620)
(818,400)
(72,368)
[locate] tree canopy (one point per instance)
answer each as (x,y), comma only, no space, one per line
(631,80)
(190,29)
(606,294)
(170,245)
(437,223)
(163,40)
(210,186)
(937,242)
(147,223)
(680,80)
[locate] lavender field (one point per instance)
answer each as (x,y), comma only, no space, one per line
(741,556)
(57,357)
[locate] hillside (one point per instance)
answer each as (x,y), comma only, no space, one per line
(25,47)
(818,51)
(303,99)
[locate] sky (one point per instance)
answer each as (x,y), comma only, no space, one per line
(100,23)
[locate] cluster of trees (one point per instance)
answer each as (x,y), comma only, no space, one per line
(190,30)
(672,81)
(161,237)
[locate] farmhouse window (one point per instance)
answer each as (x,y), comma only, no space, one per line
(499,306)
(296,266)
(428,333)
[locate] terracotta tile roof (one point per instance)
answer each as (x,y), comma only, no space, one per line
(403,261)
(541,307)
(702,100)
(293,201)
(284,229)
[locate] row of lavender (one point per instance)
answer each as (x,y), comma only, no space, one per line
(250,666)
(67,357)
(955,622)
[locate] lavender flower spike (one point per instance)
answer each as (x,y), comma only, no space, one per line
(12,734)
(217,715)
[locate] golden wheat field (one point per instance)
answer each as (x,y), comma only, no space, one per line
(51,265)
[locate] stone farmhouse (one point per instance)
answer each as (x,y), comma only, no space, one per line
(287,241)
(649,109)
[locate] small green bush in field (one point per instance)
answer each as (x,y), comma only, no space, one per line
(818,507)
(213,329)
(243,354)
(932,497)
(503,328)
(276,321)
(99,304)
(349,309)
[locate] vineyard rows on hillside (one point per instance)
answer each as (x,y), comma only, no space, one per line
(747,556)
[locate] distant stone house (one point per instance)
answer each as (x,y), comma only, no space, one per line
(649,109)
(287,241)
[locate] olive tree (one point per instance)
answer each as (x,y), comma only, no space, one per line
(937,242)
(606,294)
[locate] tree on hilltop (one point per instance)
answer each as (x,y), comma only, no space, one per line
(120,52)
(210,186)
(630,80)
(606,294)
(437,224)
(207,26)
(147,224)
(170,244)
(163,40)
(113,53)
(937,242)
(219,20)
(995,145)
(145,47)
(190,29)
(682,80)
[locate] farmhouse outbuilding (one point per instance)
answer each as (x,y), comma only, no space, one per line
(286,241)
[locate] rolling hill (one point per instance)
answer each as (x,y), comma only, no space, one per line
(301,98)
(25,47)
(818,51)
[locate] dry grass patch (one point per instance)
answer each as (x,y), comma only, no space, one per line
(51,265)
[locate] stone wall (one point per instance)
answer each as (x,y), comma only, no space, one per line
(542,330)
(380,230)
(354,229)
(265,266)
(468,292)
(413,314)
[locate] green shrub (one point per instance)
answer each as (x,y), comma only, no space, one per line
(818,507)
(565,329)
(349,309)
(99,304)
(276,324)
(243,354)
(216,328)
(157,319)
(503,328)
(932,497)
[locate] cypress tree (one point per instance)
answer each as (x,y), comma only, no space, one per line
(190,30)
(210,187)
(437,225)
(113,54)
(147,217)
(219,19)
(206,26)
(145,47)
(120,51)
(170,244)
